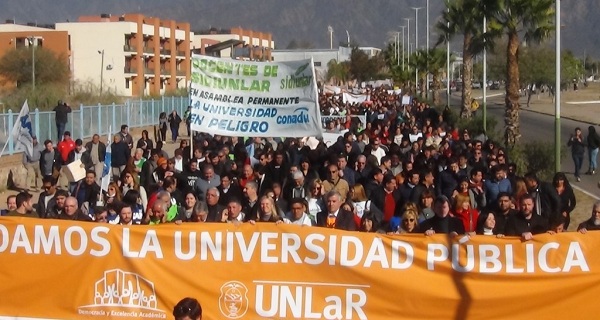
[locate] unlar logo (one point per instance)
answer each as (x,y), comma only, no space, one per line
(233,301)
(126,290)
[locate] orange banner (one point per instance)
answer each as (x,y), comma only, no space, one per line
(56,269)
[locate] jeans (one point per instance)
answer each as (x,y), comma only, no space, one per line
(174,133)
(60,128)
(578,161)
(593,159)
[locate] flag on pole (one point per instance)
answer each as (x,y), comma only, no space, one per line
(107,160)
(21,133)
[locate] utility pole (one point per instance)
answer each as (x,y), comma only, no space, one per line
(101,52)
(32,44)
(427,5)
(557,92)
(417,45)
(408,37)
(484,78)
(403,50)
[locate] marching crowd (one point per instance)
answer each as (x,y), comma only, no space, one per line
(407,169)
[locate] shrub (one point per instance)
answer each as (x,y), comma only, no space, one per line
(536,156)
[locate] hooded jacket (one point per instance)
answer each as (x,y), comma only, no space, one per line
(593,139)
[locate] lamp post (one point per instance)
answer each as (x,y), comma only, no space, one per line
(484,78)
(32,44)
(417,45)
(557,91)
(448,66)
(101,52)
(398,48)
(408,36)
(403,27)
(427,6)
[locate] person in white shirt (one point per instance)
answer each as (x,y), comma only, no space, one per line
(377,151)
(415,134)
(297,214)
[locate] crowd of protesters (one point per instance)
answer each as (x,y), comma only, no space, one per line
(405,168)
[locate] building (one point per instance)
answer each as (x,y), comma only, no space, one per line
(236,43)
(13,36)
(132,54)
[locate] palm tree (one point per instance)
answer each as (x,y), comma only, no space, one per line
(338,72)
(534,19)
(436,61)
(418,61)
(464,18)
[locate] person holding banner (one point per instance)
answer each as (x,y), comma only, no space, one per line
(187,309)
(24,207)
(334,216)
(593,223)
(442,222)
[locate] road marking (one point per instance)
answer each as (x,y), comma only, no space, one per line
(490,95)
(583,102)
(585,192)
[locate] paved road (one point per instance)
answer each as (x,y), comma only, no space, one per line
(536,126)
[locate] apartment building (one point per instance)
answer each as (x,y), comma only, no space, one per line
(14,36)
(236,43)
(132,54)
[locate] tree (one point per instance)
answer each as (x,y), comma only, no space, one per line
(362,67)
(534,20)
(418,61)
(437,61)
(464,18)
(337,71)
(16,67)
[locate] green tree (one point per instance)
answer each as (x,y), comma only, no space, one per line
(337,72)
(418,61)
(464,18)
(534,20)
(16,67)
(362,67)
(436,60)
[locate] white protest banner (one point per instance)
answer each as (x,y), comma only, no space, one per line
(406,100)
(355,98)
(257,99)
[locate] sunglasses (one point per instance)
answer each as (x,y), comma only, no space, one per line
(409,220)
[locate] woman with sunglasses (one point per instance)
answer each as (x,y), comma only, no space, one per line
(409,223)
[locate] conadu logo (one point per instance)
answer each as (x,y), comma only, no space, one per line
(294,300)
(123,294)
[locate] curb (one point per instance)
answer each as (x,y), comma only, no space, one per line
(587,193)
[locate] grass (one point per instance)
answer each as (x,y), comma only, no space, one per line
(582,211)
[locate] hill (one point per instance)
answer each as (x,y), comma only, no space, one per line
(369,23)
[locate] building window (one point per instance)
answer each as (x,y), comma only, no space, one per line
(127,83)
(317,63)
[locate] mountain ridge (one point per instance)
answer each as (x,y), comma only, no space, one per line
(370,23)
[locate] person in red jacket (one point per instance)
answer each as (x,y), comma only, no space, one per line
(466,214)
(66,146)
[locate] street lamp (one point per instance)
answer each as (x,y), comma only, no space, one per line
(32,44)
(403,27)
(484,78)
(408,36)
(101,52)
(557,91)
(427,5)
(417,45)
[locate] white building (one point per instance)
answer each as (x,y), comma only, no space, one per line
(321,57)
(132,55)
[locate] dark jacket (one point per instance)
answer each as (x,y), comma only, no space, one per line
(41,208)
(378,200)
(343,221)
(444,225)
(101,150)
(447,182)
(549,201)
(86,159)
(589,225)
(57,160)
(501,219)
(61,113)
(577,146)
(593,139)
(78,216)
(174,121)
(120,154)
(86,193)
(517,225)
(214,213)
(234,192)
